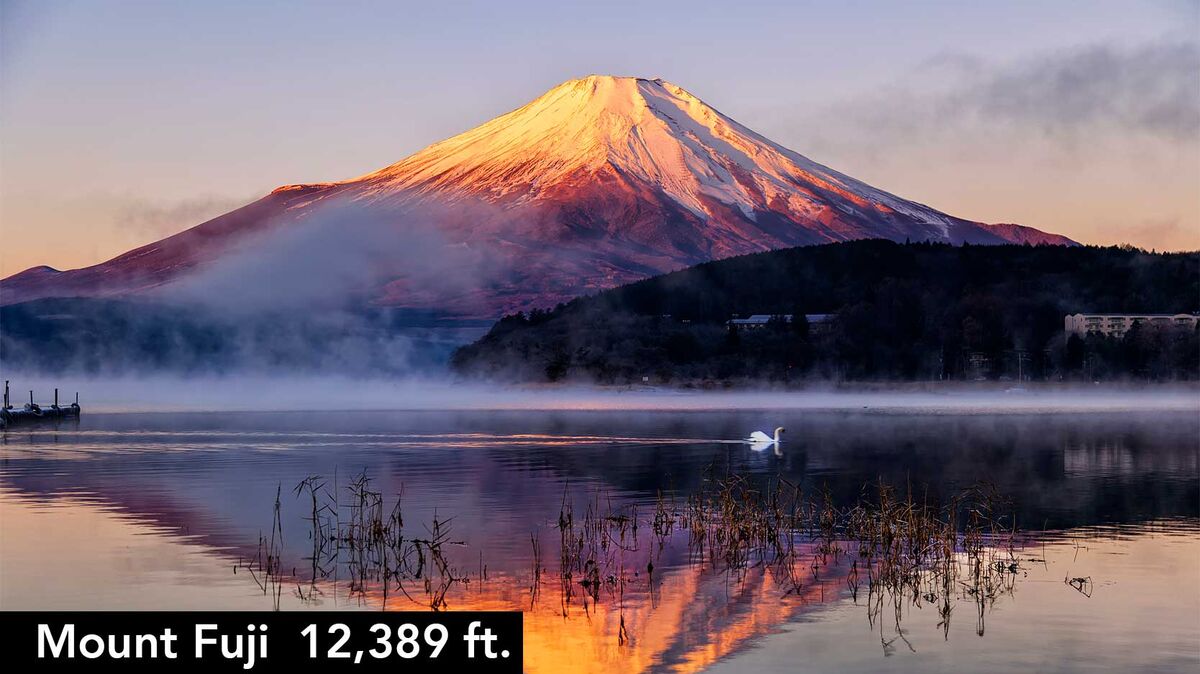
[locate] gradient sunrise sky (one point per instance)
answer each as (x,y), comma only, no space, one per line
(123,122)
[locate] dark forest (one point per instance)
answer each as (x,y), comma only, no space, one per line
(911,312)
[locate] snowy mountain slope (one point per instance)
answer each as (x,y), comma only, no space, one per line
(600,181)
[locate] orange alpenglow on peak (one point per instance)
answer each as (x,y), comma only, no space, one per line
(599,181)
(651,130)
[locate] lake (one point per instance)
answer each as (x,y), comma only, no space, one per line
(178,511)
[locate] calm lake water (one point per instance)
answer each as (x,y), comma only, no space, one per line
(171,511)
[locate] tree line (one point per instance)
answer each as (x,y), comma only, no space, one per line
(913,311)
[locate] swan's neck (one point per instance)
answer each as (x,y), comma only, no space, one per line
(776,435)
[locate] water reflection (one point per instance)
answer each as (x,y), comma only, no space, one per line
(157,510)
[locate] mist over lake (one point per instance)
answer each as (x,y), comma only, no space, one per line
(166,510)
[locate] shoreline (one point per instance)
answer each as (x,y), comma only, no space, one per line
(340,394)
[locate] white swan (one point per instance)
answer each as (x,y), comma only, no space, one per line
(759,436)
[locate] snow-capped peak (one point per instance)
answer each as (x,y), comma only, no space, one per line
(646,129)
(600,181)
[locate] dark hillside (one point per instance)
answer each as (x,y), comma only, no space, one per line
(903,311)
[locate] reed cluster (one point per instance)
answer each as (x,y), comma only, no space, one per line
(894,551)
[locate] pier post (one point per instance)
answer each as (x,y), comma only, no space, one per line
(56,397)
(6,405)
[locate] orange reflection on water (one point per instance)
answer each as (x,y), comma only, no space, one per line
(694,617)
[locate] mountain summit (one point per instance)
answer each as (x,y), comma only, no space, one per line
(656,134)
(600,181)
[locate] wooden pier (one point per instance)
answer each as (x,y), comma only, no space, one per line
(33,413)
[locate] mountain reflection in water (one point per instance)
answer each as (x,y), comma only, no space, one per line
(155,511)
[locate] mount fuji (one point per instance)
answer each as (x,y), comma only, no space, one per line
(598,182)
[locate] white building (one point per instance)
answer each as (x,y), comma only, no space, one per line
(1116,325)
(816,322)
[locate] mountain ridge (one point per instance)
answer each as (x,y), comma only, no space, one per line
(600,181)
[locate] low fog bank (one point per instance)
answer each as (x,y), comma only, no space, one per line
(346,288)
(312,393)
(102,338)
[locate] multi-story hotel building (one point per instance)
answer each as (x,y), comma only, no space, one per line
(1116,325)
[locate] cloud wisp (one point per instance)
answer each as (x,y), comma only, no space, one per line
(1151,90)
(1089,141)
